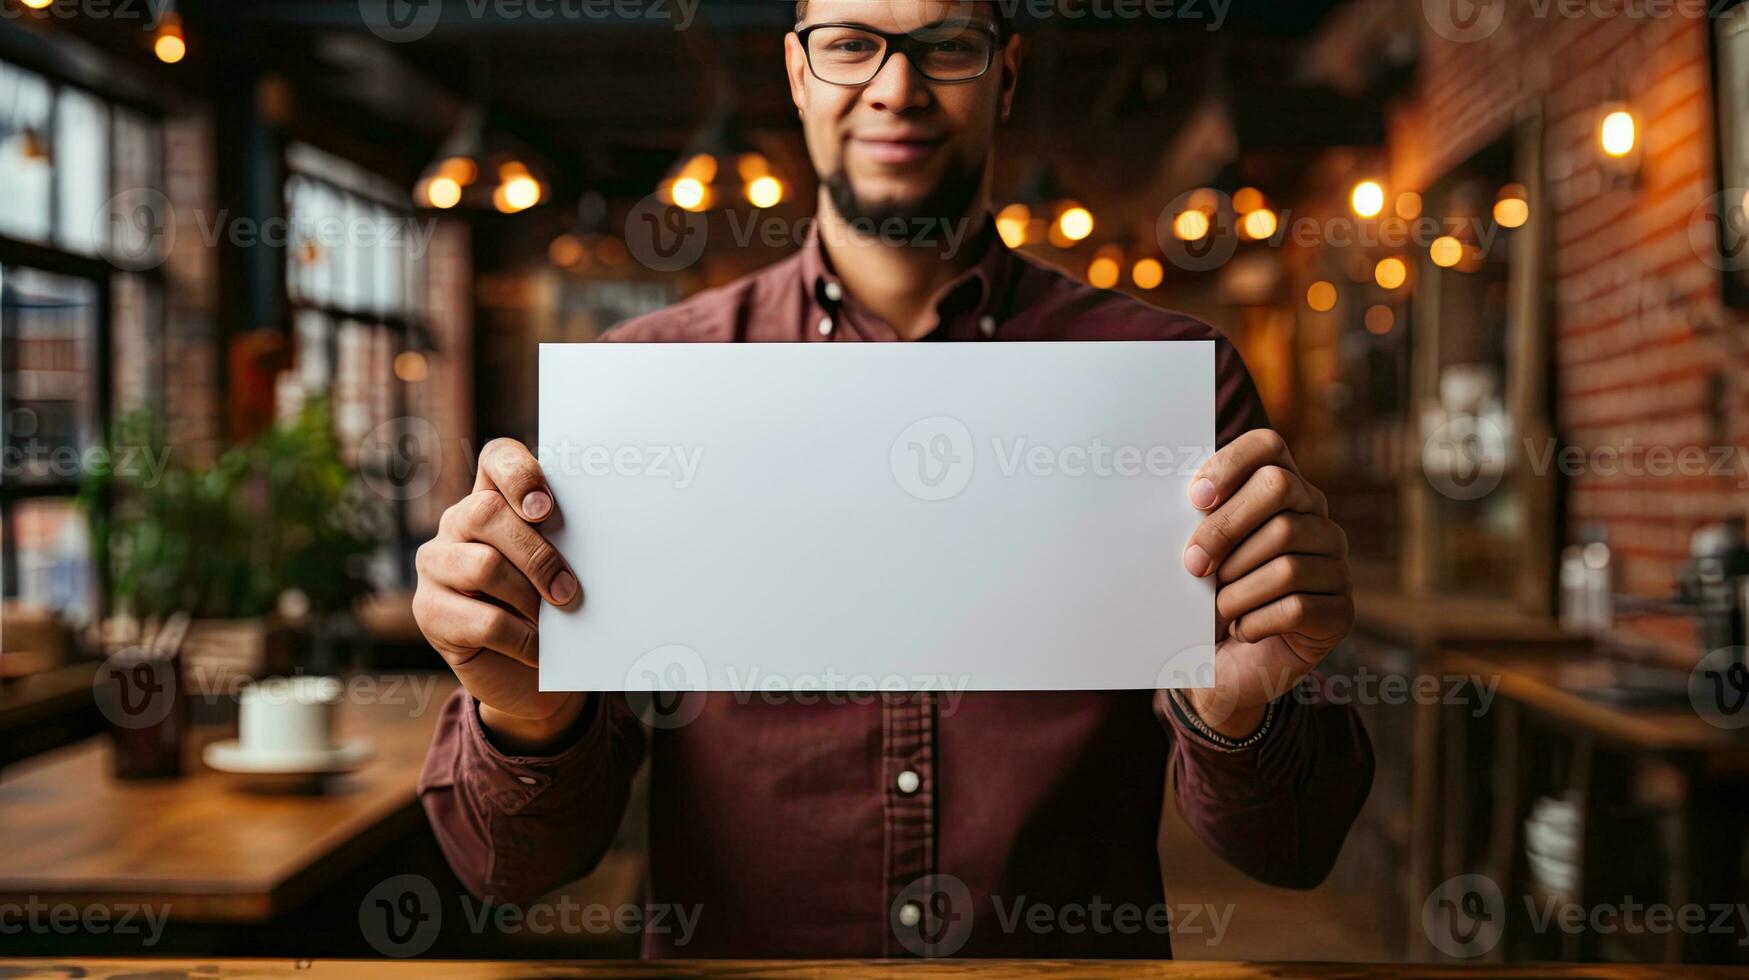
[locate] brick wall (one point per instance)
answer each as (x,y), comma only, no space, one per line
(1641,334)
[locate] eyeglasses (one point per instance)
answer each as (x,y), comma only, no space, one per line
(849,54)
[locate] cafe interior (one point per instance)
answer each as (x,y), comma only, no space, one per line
(271,272)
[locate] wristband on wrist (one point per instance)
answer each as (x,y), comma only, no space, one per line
(1188,715)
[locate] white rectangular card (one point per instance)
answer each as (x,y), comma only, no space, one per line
(861,517)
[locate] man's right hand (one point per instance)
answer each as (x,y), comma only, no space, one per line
(481,583)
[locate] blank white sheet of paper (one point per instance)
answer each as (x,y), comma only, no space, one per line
(863,517)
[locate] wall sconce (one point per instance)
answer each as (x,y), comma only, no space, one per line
(1618,141)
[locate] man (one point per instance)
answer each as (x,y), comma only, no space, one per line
(899,827)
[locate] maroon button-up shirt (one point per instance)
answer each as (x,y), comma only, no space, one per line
(876,826)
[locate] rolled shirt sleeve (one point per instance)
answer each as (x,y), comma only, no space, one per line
(516,826)
(1280,809)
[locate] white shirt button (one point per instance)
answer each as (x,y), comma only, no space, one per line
(834,292)
(825,327)
(910,914)
(908,782)
(528,780)
(987,324)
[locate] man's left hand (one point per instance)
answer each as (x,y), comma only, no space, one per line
(1283,596)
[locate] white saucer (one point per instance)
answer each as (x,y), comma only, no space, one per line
(229,756)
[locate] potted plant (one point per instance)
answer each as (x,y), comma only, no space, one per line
(273,524)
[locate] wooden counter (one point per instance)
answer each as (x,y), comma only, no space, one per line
(209,969)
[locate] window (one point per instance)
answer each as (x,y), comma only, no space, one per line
(355,279)
(68,313)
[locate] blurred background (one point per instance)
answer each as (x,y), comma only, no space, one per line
(271,272)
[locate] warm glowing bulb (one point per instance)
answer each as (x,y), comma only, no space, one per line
(752,166)
(565,250)
(170,48)
(688,193)
(702,168)
(1379,320)
(410,366)
(1259,224)
(1103,272)
(1511,212)
(1012,223)
(1190,226)
(1390,272)
(1446,251)
(1408,205)
(1247,200)
(1617,134)
(1368,199)
(764,192)
(38,4)
(443,192)
(1321,296)
(1148,273)
(1075,223)
(521,192)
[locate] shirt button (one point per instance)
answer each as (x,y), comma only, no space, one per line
(528,780)
(825,326)
(987,324)
(910,914)
(908,782)
(834,292)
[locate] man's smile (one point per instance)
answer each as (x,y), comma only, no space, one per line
(896,148)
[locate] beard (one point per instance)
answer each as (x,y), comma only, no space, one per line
(949,200)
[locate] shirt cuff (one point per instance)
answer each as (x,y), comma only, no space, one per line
(513,782)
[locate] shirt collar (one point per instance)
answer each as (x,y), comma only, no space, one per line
(966,305)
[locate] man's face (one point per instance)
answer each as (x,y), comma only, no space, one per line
(901,142)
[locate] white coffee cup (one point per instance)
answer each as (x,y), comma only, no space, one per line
(288,715)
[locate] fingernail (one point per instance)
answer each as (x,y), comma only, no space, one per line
(537,504)
(1197,560)
(1202,494)
(564,587)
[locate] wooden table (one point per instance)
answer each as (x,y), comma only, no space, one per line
(1706,865)
(202,844)
(522,970)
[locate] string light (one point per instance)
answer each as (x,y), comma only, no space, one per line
(1259,224)
(1321,296)
(1148,274)
(411,367)
(764,192)
(1012,223)
(1074,223)
(1368,199)
(1190,226)
(1390,273)
(1446,251)
(1408,205)
(1247,200)
(37,4)
(1105,269)
(1379,320)
(688,193)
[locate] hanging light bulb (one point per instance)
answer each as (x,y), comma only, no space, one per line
(1074,222)
(1368,199)
(764,192)
(169,44)
(1012,224)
